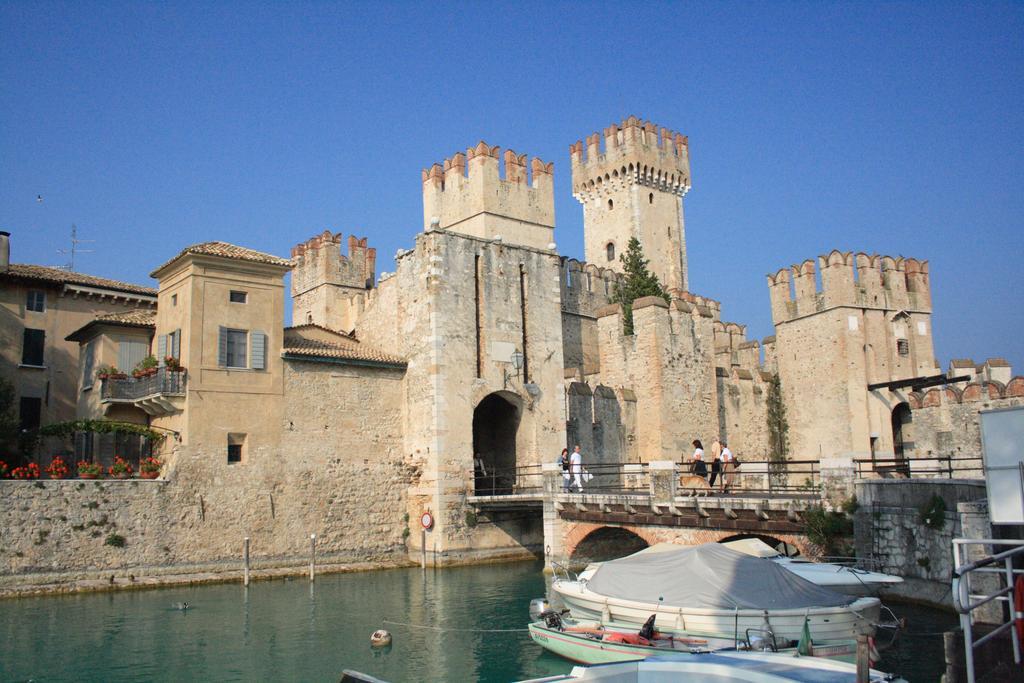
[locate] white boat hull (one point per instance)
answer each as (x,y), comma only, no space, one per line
(826,623)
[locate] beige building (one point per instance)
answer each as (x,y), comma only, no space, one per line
(40,307)
(484,353)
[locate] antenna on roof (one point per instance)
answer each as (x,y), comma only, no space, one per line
(74,248)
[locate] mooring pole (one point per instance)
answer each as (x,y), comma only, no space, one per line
(245,556)
(863,659)
(312,557)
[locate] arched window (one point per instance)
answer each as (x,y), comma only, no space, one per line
(650,198)
(611,205)
(610,249)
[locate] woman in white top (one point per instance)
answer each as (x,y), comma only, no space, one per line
(726,466)
(699,468)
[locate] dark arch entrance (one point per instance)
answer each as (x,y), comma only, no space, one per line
(606,543)
(901,419)
(495,423)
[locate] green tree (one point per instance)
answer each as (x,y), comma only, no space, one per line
(637,282)
(9,422)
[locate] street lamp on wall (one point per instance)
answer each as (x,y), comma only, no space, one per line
(517,362)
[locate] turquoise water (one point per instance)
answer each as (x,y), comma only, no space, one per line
(285,630)
(294,631)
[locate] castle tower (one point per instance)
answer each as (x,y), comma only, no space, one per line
(467,195)
(837,348)
(325,280)
(634,187)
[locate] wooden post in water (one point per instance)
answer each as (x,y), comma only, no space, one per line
(863,659)
(312,557)
(245,555)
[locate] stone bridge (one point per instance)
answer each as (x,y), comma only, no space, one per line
(646,506)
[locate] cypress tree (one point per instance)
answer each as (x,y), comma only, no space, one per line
(637,282)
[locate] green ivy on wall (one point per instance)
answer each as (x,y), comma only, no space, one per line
(69,428)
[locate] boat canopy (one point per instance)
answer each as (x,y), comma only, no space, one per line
(709,576)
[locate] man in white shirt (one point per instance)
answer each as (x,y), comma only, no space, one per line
(576,467)
(726,466)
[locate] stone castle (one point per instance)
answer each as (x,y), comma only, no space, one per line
(484,341)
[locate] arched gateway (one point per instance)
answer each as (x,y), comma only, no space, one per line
(495,425)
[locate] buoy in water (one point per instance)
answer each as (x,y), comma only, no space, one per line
(380,638)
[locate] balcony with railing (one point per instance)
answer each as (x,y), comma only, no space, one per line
(160,393)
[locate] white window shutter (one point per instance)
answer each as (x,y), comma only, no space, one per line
(222,347)
(259,350)
(161,348)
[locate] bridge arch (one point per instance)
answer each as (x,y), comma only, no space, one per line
(606,543)
(496,421)
(574,534)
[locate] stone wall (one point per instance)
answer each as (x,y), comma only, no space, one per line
(585,288)
(667,362)
(743,412)
(946,420)
(888,525)
(603,423)
(340,472)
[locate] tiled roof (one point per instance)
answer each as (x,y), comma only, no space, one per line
(56,276)
(225,250)
(343,347)
(138,318)
(962,363)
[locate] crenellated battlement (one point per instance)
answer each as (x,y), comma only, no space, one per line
(633,152)
(869,281)
(476,194)
(320,260)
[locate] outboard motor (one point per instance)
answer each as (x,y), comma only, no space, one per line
(647,630)
(538,606)
(552,619)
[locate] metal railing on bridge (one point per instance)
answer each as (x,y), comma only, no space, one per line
(508,481)
(788,478)
(928,467)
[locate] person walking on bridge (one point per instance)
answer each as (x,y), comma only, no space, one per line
(563,462)
(576,466)
(727,467)
(716,462)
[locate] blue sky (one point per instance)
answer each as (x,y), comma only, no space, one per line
(889,128)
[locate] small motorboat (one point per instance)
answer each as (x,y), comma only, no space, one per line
(594,643)
(837,577)
(713,590)
(719,667)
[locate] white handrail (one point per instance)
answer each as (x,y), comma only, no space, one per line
(966,601)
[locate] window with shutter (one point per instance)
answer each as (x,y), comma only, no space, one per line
(88,358)
(130,353)
(36,301)
(33,342)
(176,344)
(161,348)
(259,351)
(222,347)
(235,348)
